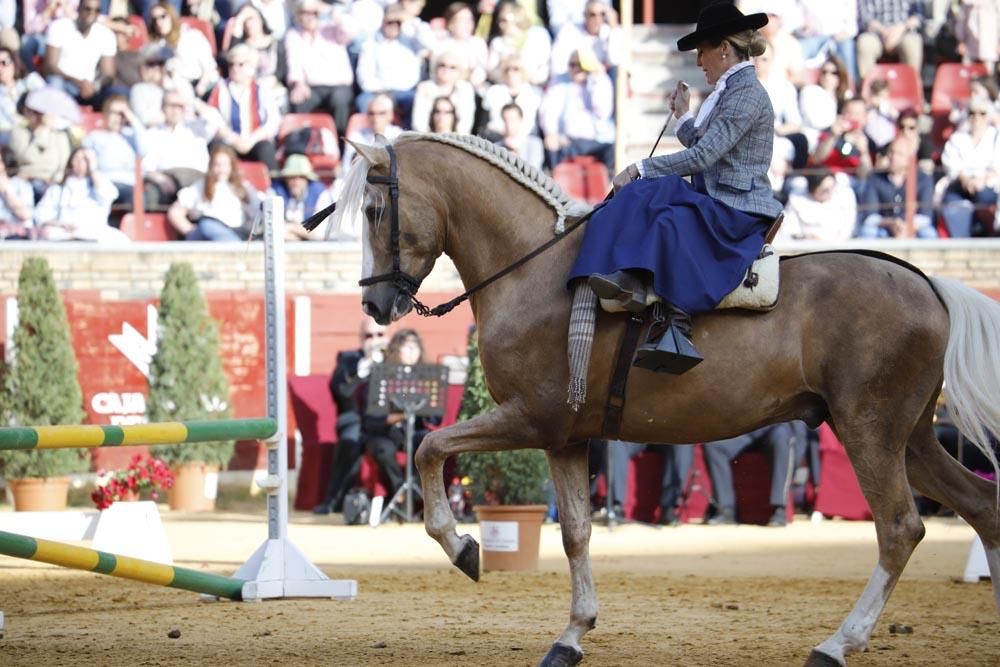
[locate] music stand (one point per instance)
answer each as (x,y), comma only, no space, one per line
(420,390)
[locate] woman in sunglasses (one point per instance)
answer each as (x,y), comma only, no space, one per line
(971,159)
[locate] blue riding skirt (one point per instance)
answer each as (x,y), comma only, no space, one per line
(697,248)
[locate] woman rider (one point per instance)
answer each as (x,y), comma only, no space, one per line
(690,244)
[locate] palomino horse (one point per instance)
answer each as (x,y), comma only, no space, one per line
(860,342)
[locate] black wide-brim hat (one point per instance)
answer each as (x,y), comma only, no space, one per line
(720,20)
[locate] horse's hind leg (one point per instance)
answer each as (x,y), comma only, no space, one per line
(877,454)
(936,474)
(569,476)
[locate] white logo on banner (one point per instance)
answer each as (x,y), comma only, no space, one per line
(137,348)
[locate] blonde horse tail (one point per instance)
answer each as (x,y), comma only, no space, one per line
(972,364)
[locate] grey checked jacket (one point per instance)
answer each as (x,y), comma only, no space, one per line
(731,150)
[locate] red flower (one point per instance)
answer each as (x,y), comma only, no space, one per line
(142,474)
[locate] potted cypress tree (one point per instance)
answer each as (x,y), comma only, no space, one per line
(40,387)
(187,382)
(508,488)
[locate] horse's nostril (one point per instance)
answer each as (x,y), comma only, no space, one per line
(370,309)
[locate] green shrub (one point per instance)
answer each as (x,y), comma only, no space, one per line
(514,477)
(186,380)
(40,387)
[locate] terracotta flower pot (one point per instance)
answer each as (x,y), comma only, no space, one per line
(510,535)
(194,488)
(35,494)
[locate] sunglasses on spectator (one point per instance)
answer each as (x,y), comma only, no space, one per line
(977,113)
(512,68)
(374,334)
(159,17)
(592,15)
(574,65)
(90,9)
(447,66)
(376,112)
(395,22)
(444,111)
(908,126)
(830,71)
(308,12)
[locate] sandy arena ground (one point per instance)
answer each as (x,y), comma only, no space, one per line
(693,595)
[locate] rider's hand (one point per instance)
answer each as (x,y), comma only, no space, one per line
(680,100)
(626,176)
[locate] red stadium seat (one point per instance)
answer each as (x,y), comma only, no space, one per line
(91,120)
(321,146)
(356,123)
(257,174)
(148,227)
(204,27)
(315,417)
(583,178)
(140,34)
(952,87)
(905,89)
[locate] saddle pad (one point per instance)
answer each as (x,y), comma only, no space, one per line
(758,291)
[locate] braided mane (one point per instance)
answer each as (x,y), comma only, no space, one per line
(511,164)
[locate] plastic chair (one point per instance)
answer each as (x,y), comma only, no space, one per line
(148,227)
(204,27)
(321,147)
(598,181)
(570,175)
(952,86)
(91,120)
(256,173)
(356,123)
(905,89)
(140,35)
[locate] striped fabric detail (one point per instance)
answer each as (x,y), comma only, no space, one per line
(582,320)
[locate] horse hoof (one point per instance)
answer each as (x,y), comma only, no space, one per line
(561,655)
(817,659)
(468,558)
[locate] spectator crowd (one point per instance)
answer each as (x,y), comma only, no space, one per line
(192,111)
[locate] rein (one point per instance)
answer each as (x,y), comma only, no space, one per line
(409,284)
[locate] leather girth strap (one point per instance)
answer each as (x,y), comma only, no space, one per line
(614,407)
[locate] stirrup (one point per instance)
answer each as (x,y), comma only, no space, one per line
(673,352)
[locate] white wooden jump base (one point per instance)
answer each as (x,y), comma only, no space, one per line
(277,569)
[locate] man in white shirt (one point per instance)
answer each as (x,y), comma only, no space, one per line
(176,152)
(80,54)
(389,63)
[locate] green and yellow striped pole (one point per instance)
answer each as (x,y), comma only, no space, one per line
(80,558)
(166,433)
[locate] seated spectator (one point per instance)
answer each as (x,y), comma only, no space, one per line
(320,76)
(17,201)
(15,82)
(528,147)
(250,28)
(513,87)
(597,32)
(117,146)
(778,444)
(417,30)
(977,28)
(350,372)
(518,37)
(788,62)
(381,112)
(146,96)
(563,12)
(462,43)
(883,204)
(880,125)
(971,159)
(219,207)
(576,113)
(176,153)
(908,126)
(830,27)
(78,207)
(844,148)
(80,54)
(299,187)
(37,16)
(447,80)
(384,436)
(788,137)
(980,86)
(276,16)
(890,27)
(193,60)
(127,59)
(818,103)
(389,63)
(443,117)
(249,113)
(826,212)
(42,150)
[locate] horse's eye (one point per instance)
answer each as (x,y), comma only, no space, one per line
(371,213)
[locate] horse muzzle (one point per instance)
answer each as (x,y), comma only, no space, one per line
(385,303)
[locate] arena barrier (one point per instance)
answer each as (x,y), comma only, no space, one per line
(277,569)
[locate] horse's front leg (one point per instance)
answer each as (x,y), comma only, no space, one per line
(568,467)
(502,429)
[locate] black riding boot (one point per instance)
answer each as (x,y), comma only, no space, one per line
(668,349)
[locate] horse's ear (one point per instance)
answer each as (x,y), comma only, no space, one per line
(376,155)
